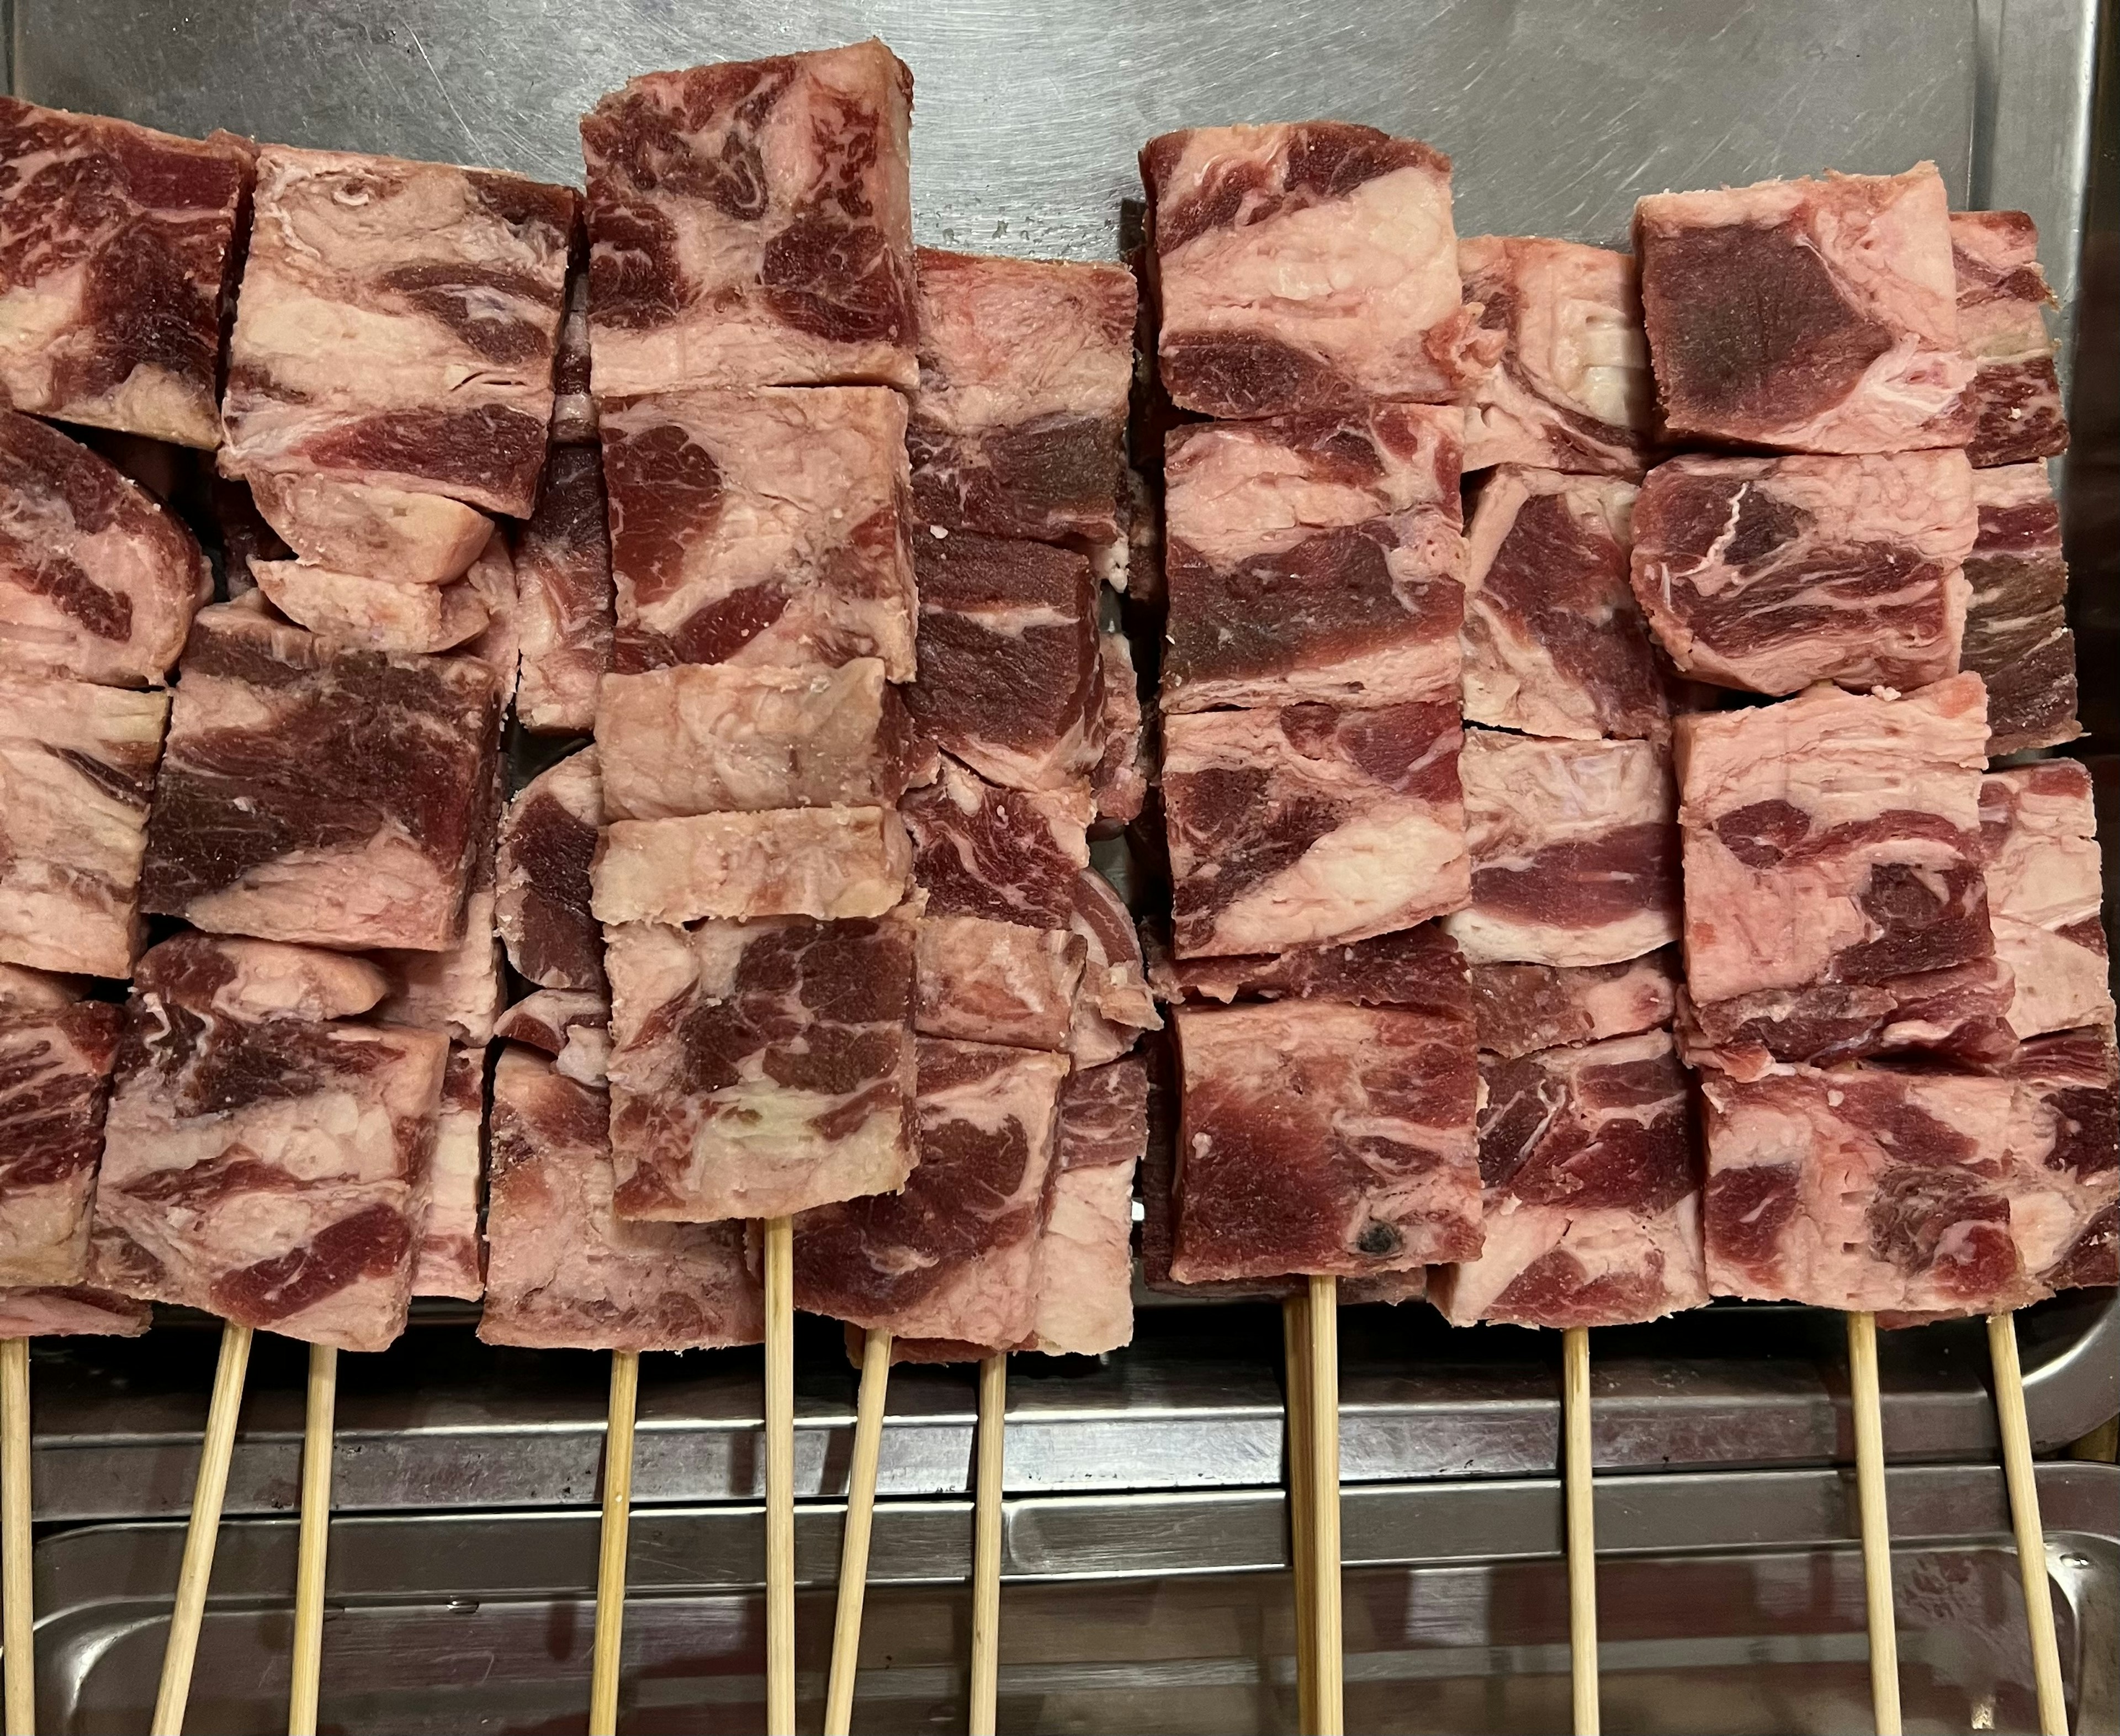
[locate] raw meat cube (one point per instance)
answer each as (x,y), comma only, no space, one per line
(760,526)
(97,582)
(2017,639)
(1008,856)
(121,247)
(572,1027)
(823,861)
(1323,1138)
(995,982)
(563,1271)
(55,1066)
(1019,426)
(1307,267)
(702,738)
(369,530)
(447,1261)
(955,1256)
(751,224)
(250,981)
(760,1068)
(1521,1009)
(1815,316)
(264,823)
(1833,838)
(2040,832)
(458,989)
(1084,1303)
(1304,824)
(1113,1003)
(1010,673)
(1313,558)
(1119,783)
(1420,967)
(372,613)
(564,596)
(1555,643)
(1573,390)
(1771,574)
(71,1310)
(76,768)
(265,1168)
(2065,1184)
(548,839)
(1574,848)
(1593,1190)
(396,328)
(2015,396)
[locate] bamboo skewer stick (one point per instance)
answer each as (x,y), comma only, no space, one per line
(854,1546)
(1295,1353)
(1582,1527)
(306,1671)
(779,1477)
(1324,1395)
(2024,1514)
(16,1576)
(985,1546)
(611,1542)
(1875,1521)
(204,1531)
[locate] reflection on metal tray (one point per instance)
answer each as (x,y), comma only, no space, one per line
(1727,1602)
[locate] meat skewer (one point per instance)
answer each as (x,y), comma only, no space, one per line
(306,1668)
(202,1532)
(779,1477)
(853,1548)
(2023,1478)
(986,1543)
(612,1543)
(17,1582)
(1321,1385)
(1582,1527)
(1874,1521)
(1295,1375)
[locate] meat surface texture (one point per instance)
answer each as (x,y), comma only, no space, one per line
(1019,426)
(55,1066)
(22,989)
(1420,968)
(1085,1293)
(2065,1180)
(1294,827)
(269,1170)
(572,1027)
(117,245)
(265,823)
(1119,783)
(1771,574)
(564,1272)
(371,529)
(1008,856)
(1010,671)
(824,861)
(397,327)
(2040,830)
(1315,556)
(1814,316)
(1323,1138)
(1573,390)
(751,224)
(1522,1009)
(2017,638)
(548,839)
(374,613)
(1574,848)
(458,989)
(447,1260)
(71,1310)
(1305,267)
(996,982)
(760,526)
(563,590)
(1592,1181)
(760,1068)
(1113,1004)
(1555,643)
(97,582)
(2002,294)
(955,1254)
(76,768)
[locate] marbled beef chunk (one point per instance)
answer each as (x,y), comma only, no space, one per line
(822,862)
(1572,391)
(995,982)
(117,247)
(1306,824)
(447,1260)
(397,329)
(71,1310)
(1084,1302)
(564,1272)
(1592,1176)
(2065,1181)
(77,767)
(376,614)
(97,582)
(548,839)
(1008,856)
(370,530)
(55,1066)
(572,1027)
(762,526)
(955,1256)
(460,988)
(1574,848)
(1771,574)
(760,1068)
(1314,558)
(1305,267)
(563,595)
(2002,294)
(1556,644)
(2040,833)
(751,224)
(1814,316)
(1323,1138)
(1420,968)
(1019,426)
(265,1167)
(1010,678)
(2017,638)
(1522,1009)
